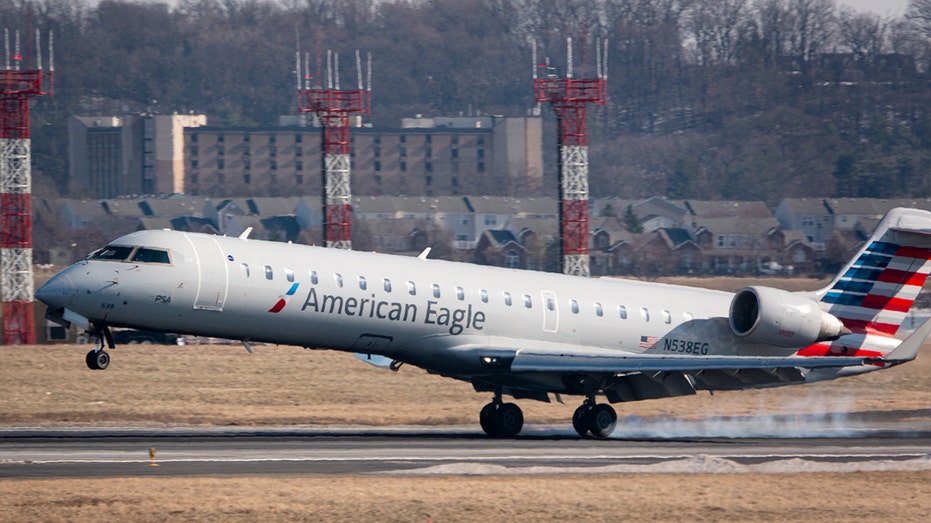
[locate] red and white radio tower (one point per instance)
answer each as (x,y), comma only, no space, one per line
(17,86)
(333,106)
(569,97)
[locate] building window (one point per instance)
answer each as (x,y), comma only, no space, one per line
(221,150)
(247,178)
(403,152)
(193,164)
(247,164)
(220,163)
(481,167)
(299,179)
(378,166)
(377,152)
(272,151)
(194,150)
(454,153)
(428,166)
(273,165)
(298,151)
(428,152)
(490,219)
(271,139)
(428,180)
(403,167)
(403,138)
(194,137)
(428,139)
(297,138)
(246,138)
(220,138)
(512,259)
(454,140)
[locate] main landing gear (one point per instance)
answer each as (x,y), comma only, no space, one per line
(505,420)
(97,358)
(593,419)
(501,419)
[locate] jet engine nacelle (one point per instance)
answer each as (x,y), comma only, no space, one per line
(781,318)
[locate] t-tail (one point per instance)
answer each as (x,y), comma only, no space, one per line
(872,295)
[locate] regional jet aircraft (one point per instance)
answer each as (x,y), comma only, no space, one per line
(507,332)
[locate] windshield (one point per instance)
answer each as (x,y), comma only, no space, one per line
(131,254)
(111,252)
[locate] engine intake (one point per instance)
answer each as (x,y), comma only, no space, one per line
(781,318)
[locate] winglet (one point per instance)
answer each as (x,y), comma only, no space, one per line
(908,349)
(423,255)
(245,234)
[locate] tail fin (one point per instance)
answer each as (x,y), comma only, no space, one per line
(874,292)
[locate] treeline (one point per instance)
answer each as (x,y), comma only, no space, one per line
(741,99)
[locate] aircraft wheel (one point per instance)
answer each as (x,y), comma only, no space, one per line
(601,420)
(488,419)
(580,419)
(510,420)
(97,360)
(91,360)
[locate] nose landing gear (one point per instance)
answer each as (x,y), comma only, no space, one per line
(97,358)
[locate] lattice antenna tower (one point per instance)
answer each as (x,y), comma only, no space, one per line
(333,107)
(18,84)
(569,97)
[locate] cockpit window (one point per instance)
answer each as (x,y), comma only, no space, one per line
(112,252)
(145,255)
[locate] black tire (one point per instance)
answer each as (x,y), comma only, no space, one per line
(102,360)
(510,420)
(601,420)
(488,418)
(91,360)
(580,419)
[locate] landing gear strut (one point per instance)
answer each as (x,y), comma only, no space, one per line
(593,419)
(97,358)
(501,419)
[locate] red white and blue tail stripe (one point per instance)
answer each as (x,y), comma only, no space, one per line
(874,292)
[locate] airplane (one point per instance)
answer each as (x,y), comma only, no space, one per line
(520,333)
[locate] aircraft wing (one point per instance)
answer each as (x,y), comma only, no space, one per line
(528,361)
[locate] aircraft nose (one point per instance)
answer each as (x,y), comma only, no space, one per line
(57,292)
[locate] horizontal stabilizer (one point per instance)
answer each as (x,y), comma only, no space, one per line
(908,349)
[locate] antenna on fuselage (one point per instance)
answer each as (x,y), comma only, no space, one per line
(245,234)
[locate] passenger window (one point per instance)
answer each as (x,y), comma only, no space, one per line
(144,255)
(411,288)
(645,314)
(484,294)
(362,283)
(339,279)
(599,311)
(550,304)
(667,317)
(387,284)
(289,274)
(269,274)
(436,291)
(622,312)
(460,293)
(527,301)
(245,269)
(507,299)
(112,252)
(313,277)
(574,306)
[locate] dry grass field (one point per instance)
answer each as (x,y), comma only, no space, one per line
(149,385)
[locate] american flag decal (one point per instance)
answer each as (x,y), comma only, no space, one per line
(648,342)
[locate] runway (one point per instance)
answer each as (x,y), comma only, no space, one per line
(125,451)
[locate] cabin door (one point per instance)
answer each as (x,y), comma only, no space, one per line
(212,271)
(550,311)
